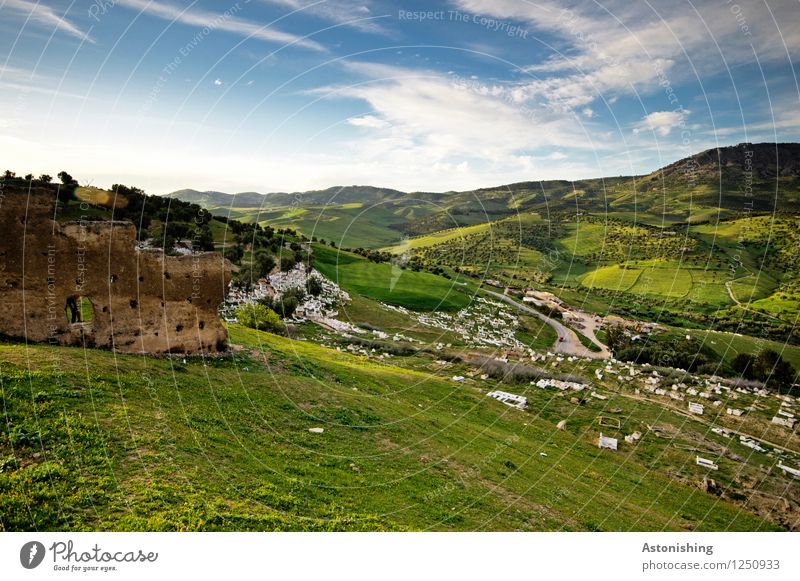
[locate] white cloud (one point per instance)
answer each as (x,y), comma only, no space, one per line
(662,122)
(219,21)
(445,117)
(353,13)
(217,82)
(44,15)
(369,121)
(618,47)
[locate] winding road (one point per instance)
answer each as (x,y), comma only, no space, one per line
(568,342)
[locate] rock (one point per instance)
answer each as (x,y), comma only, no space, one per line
(316,430)
(710,485)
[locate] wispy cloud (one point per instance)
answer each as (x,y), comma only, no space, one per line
(434,124)
(40,90)
(662,123)
(226,21)
(369,121)
(41,14)
(353,13)
(622,47)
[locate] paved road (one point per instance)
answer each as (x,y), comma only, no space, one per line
(567,342)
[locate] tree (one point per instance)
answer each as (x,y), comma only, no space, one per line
(289,301)
(67,187)
(743,365)
(204,240)
(314,286)
(287,263)
(234,253)
(774,370)
(616,338)
(245,278)
(287,305)
(28,177)
(260,317)
(9,175)
(65,178)
(45,179)
(264,263)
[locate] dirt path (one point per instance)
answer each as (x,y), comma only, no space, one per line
(733,296)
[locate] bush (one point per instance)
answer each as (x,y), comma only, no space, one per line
(743,365)
(774,370)
(260,317)
(287,263)
(314,286)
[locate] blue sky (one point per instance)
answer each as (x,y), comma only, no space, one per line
(289,95)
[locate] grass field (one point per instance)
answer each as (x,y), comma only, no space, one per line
(99,441)
(439,237)
(583,238)
(350,225)
(612,278)
(389,284)
(753,287)
(668,279)
(728,345)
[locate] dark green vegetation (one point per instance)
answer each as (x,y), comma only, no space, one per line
(765,363)
(163,221)
(93,440)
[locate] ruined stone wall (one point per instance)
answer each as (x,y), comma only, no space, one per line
(142,301)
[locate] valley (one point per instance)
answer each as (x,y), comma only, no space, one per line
(646,323)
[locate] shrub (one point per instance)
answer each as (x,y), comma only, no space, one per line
(314,286)
(259,317)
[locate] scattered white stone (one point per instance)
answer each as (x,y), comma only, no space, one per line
(510,399)
(607,443)
(705,463)
(696,408)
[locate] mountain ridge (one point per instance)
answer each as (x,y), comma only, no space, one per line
(785,156)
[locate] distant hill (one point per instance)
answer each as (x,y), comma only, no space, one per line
(762,177)
(255,200)
(213,199)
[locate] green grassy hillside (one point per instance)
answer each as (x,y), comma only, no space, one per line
(391,284)
(711,185)
(97,441)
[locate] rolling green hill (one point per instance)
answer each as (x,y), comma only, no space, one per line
(705,187)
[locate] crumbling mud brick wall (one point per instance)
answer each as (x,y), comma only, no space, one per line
(139,301)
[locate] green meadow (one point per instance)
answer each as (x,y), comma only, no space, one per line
(103,441)
(420,291)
